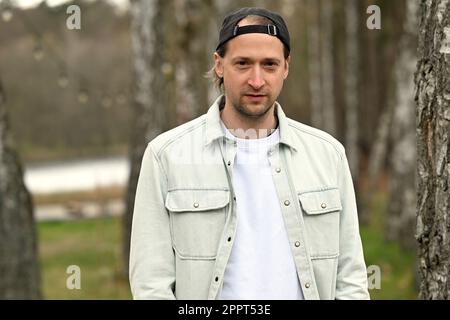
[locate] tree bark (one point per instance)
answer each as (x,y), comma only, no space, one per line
(433,138)
(152,43)
(19,266)
(401,204)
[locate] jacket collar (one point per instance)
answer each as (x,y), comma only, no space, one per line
(214,130)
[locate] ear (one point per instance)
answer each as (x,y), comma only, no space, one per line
(286,67)
(218,65)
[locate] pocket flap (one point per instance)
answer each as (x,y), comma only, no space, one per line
(196,199)
(321,201)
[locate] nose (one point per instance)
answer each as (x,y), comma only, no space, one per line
(256,79)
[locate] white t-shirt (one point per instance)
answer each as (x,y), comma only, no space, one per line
(261,265)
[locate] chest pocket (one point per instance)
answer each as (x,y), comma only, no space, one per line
(197,220)
(321,213)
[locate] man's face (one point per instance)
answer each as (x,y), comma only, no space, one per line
(253,70)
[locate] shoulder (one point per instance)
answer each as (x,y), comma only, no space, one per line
(315,137)
(177,134)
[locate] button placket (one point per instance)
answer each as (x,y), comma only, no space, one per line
(293,224)
(228,158)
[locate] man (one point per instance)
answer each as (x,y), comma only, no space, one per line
(243,202)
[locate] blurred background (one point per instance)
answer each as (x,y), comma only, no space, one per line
(77,107)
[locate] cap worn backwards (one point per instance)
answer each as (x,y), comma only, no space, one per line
(230,28)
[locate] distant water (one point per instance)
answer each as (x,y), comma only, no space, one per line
(77,175)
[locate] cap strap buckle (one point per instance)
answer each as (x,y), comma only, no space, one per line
(271,30)
(235,30)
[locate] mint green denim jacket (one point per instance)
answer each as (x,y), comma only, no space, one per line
(185,212)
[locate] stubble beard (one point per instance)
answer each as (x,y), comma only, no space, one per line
(245,109)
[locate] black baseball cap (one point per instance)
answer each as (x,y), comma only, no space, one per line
(230,28)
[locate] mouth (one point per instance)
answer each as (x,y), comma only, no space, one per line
(255,97)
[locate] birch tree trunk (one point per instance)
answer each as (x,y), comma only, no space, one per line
(151,23)
(401,205)
(433,137)
(351,87)
(19,267)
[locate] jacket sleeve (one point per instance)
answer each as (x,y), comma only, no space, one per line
(152,260)
(351,281)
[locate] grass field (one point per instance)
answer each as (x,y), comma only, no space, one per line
(396,266)
(94,246)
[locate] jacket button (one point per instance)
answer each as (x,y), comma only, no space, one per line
(216,279)
(234,198)
(307,285)
(323,205)
(229,163)
(286,203)
(229,239)
(278,170)
(195,205)
(297,244)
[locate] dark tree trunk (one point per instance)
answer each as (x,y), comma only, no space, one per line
(314,65)
(327,63)
(193,18)
(19,267)
(351,87)
(433,144)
